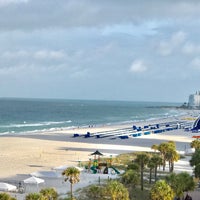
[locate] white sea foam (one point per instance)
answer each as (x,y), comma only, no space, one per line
(34,124)
(36,131)
(37,116)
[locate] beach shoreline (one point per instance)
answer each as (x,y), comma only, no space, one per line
(23,154)
(26,154)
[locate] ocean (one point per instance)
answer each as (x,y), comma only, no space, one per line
(37,115)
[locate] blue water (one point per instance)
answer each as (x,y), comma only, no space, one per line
(33,115)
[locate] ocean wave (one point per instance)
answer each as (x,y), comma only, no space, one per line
(7,132)
(36,131)
(96,115)
(34,124)
(44,127)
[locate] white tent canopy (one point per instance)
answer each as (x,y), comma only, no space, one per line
(7,187)
(33,180)
(32,184)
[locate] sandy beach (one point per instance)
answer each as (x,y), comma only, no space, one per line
(25,154)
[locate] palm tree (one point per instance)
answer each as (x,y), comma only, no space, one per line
(157,160)
(180,183)
(112,190)
(161,191)
(187,181)
(94,192)
(172,144)
(172,156)
(5,196)
(142,159)
(115,190)
(163,147)
(72,175)
(154,147)
(133,166)
(197,171)
(167,149)
(33,196)
(195,160)
(151,165)
(195,144)
(49,193)
(130,177)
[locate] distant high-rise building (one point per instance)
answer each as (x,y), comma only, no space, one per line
(194,100)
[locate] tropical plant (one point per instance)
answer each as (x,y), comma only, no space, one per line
(33,196)
(172,156)
(142,159)
(161,191)
(154,147)
(163,147)
(157,160)
(133,166)
(172,144)
(48,193)
(168,153)
(130,177)
(195,160)
(151,165)
(180,183)
(187,181)
(197,171)
(195,144)
(94,192)
(72,175)
(5,196)
(112,190)
(115,190)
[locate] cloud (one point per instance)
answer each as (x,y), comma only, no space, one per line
(37,14)
(138,66)
(44,54)
(166,47)
(76,43)
(14,54)
(191,48)
(7,2)
(195,63)
(29,60)
(146,28)
(178,38)
(40,54)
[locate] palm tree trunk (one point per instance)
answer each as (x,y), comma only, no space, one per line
(71,191)
(164,163)
(172,166)
(155,175)
(142,179)
(150,176)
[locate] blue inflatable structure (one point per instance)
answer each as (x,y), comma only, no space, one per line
(196,125)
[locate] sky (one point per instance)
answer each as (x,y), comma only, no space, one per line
(132,50)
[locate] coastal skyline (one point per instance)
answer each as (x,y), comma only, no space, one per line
(107,50)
